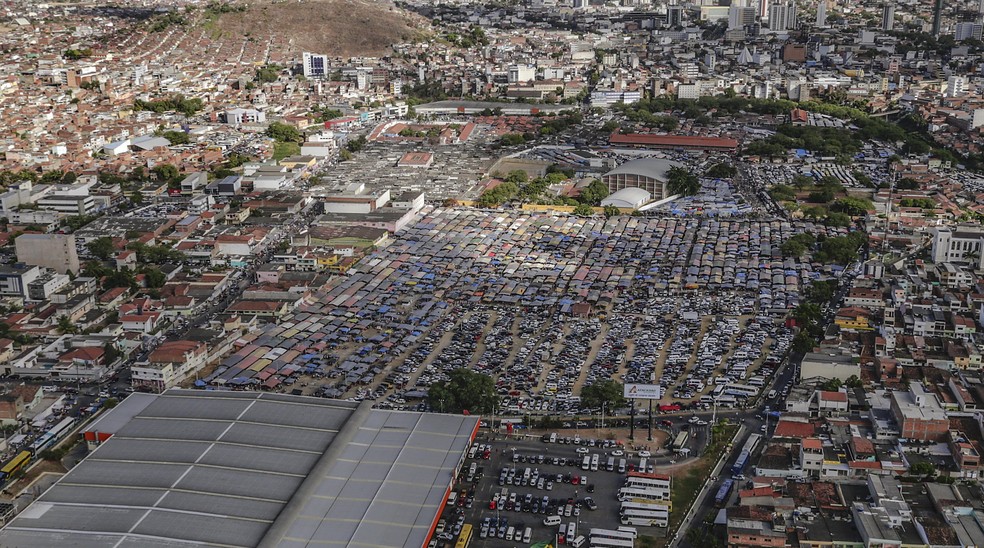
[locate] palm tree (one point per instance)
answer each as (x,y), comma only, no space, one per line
(65,325)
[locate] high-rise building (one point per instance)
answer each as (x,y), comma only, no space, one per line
(674,16)
(763,9)
(822,14)
(739,16)
(956,86)
(888,17)
(782,17)
(314,65)
(937,17)
(54,251)
(968,31)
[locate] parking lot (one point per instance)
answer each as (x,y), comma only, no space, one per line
(561,484)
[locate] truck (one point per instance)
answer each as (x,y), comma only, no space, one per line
(668,408)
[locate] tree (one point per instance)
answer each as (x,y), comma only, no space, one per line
(594,193)
(852,206)
(832,385)
(612,211)
(101,247)
(922,468)
(466,390)
(607,392)
(854,382)
(283,132)
(721,171)
(176,137)
(681,181)
(65,325)
(167,173)
(155,278)
(583,210)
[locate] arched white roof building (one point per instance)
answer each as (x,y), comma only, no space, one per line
(631,197)
(649,174)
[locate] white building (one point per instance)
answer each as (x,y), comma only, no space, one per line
(962,244)
(782,17)
(314,65)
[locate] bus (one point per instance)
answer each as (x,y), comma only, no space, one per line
(15,465)
(681,440)
(464,538)
(658,506)
(642,494)
(645,518)
(623,537)
(724,492)
(655,481)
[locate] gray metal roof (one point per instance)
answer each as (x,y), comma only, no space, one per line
(249,469)
(655,168)
(383,487)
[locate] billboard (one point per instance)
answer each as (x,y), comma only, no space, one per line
(643,391)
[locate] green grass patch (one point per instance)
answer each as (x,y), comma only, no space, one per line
(282,150)
(685,488)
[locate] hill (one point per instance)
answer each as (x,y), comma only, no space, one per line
(332,27)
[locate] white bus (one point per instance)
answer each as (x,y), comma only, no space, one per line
(657,506)
(645,519)
(647,483)
(614,538)
(642,495)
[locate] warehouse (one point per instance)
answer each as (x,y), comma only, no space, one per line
(252,469)
(674,142)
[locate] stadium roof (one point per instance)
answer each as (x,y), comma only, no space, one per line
(673,141)
(628,197)
(655,168)
(251,469)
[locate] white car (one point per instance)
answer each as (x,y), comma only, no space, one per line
(694,419)
(702,423)
(644,454)
(582,450)
(618,453)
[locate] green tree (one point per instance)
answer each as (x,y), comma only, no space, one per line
(583,210)
(154,277)
(65,325)
(681,181)
(852,206)
(607,392)
(854,382)
(782,193)
(721,171)
(922,468)
(466,390)
(283,132)
(167,173)
(612,211)
(101,247)
(176,137)
(594,193)
(832,385)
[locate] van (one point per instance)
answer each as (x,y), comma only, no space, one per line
(594,462)
(621,466)
(610,465)
(579,541)
(572,529)
(553,437)
(452,498)
(510,532)
(528,535)
(562,531)
(552,521)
